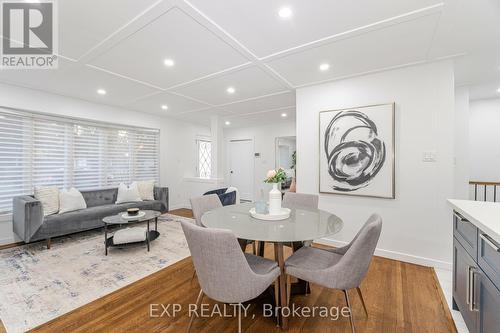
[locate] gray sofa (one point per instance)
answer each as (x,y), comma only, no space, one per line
(30,224)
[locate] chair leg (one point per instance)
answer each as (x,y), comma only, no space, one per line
(49,242)
(277,300)
(254,248)
(239,318)
(288,289)
(351,316)
(362,300)
(198,302)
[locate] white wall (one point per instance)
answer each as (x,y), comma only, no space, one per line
(417,224)
(264,137)
(177,138)
(461,161)
(484,139)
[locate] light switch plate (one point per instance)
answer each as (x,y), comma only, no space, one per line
(429,156)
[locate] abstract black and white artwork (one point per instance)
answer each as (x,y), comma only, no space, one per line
(357,151)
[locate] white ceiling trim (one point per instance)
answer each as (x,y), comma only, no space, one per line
(204,20)
(236,115)
(358,31)
(143,19)
(255,98)
(124,77)
(212,75)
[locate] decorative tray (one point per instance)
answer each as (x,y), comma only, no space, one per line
(127,217)
(285,213)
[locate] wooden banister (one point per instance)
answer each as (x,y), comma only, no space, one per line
(474,182)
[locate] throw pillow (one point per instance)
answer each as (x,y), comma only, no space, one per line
(146,189)
(128,193)
(71,200)
(234,189)
(49,197)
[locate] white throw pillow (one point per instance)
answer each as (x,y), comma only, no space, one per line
(128,193)
(234,189)
(49,197)
(146,189)
(71,200)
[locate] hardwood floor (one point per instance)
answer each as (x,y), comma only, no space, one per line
(184,212)
(400,297)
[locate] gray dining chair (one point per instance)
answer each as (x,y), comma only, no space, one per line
(203,204)
(340,268)
(300,200)
(225,273)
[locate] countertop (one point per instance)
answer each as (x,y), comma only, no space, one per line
(484,215)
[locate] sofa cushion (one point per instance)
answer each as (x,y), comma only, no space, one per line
(71,200)
(49,197)
(128,193)
(100,197)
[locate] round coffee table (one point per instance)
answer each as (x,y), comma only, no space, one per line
(118,220)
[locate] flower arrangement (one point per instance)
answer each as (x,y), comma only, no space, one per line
(275,176)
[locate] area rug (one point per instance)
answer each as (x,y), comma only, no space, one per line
(37,284)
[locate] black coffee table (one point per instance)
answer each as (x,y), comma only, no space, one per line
(151,235)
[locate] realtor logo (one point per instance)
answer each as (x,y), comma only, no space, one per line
(29,35)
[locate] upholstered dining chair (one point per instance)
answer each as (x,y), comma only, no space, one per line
(225,273)
(341,268)
(201,205)
(298,200)
(205,203)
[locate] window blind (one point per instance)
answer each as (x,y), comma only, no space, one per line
(38,150)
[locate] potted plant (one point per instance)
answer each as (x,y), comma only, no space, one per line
(275,177)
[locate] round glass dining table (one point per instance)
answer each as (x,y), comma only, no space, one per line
(304,224)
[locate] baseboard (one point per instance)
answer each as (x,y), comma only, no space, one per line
(396,255)
(179,206)
(8,243)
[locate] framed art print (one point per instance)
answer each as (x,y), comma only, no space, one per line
(357,151)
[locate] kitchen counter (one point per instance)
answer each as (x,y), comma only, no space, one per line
(484,215)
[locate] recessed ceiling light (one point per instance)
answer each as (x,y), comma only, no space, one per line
(230,90)
(285,12)
(324,67)
(227,122)
(164,107)
(284,115)
(168,62)
(101,91)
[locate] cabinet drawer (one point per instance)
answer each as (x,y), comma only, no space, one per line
(466,233)
(489,257)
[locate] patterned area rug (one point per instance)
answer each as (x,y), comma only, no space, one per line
(37,285)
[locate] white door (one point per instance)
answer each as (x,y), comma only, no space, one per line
(240,164)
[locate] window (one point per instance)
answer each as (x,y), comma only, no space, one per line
(204,158)
(38,150)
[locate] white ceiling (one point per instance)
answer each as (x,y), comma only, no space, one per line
(120,46)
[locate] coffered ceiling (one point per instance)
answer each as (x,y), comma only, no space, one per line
(243,59)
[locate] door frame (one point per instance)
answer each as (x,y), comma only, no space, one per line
(227,175)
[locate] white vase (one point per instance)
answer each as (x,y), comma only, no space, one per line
(275,200)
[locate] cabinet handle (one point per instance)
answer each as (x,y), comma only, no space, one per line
(467,290)
(472,305)
(460,217)
(488,241)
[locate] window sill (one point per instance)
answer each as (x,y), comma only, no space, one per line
(204,180)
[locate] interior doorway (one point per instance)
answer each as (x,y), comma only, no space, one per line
(240,166)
